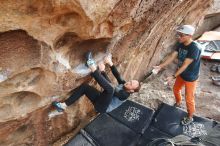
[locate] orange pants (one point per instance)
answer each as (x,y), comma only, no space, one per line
(190,89)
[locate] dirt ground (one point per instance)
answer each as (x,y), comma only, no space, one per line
(154,91)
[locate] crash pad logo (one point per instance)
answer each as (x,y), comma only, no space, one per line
(194,130)
(132,114)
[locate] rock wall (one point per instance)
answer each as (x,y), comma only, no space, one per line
(215,7)
(211,20)
(43,43)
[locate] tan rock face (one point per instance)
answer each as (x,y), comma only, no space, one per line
(42,50)
(215,8)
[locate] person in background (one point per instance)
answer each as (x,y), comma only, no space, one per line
(188,55)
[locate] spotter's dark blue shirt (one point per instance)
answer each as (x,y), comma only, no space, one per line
(192,51)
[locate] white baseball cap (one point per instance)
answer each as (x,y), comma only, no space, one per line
(186,29)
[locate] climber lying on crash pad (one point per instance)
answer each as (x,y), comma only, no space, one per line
(108,99)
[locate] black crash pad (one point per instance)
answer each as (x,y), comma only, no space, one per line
(132,124)
(151,134)
(133,115)
(168,120)
(79,140)
(213,137)
(106,131)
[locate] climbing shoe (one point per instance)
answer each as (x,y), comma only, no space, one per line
(58,106)
(177,105)
(186,121)
(89,60)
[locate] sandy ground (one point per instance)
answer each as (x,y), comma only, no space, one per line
(154,91)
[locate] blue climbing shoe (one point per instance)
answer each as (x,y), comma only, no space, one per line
(89,60)
(58,106)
